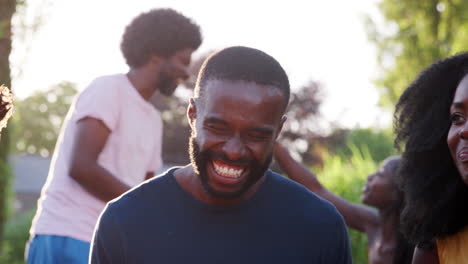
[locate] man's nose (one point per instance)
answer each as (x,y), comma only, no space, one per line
(234,148)
(184,73)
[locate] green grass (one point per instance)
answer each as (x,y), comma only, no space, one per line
(346,177)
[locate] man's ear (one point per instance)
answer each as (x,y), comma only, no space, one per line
(283,119)
(156,59)
(192,112)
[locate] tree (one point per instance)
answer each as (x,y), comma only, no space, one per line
(377,143)
(176,129)
(39,117)
(8,8)
(415,34)
(303,131)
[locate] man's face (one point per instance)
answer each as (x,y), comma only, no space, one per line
(173,71)
(234,127)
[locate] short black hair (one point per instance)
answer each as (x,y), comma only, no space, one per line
(243,64)
(435,195)
(160,32)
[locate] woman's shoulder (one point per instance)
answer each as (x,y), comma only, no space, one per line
(454,248)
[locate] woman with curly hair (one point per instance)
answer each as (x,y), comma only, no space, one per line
(378,219)
(6,106)
(431,127)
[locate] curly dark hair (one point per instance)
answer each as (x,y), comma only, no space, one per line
(6,106)
(435,195)
(243,64)
(160,32)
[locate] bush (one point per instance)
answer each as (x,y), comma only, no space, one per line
(378,143)
(16,236)
(346,177)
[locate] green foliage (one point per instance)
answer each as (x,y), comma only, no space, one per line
(416,33)
(300,132)
(346,177)
(378,143)
(39,117)
(5,195)
(6,176)
(16,236)
(7,10)
(16,228)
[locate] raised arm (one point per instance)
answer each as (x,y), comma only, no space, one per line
(425,256)
(356,216)
(90,138)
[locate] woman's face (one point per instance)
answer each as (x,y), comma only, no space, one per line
(457,138)
(380,189)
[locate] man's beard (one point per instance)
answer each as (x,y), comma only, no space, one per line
(166,84)
(200,159)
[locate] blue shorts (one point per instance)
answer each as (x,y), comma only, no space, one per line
(57,249)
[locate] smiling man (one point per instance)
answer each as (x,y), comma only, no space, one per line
(226,206)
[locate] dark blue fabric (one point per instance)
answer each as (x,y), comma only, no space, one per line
(159,222)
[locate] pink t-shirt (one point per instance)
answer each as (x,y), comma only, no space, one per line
(133,148)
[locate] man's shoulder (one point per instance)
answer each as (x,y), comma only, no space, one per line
(118,77)
(294,190)
(106,83)
(305,200)
(310,219)
(149,191)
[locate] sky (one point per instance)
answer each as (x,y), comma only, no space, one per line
(320,40)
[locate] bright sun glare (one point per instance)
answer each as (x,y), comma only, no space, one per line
(313,40)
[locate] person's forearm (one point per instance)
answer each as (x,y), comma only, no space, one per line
(295,170)
(149,175)
(99,181)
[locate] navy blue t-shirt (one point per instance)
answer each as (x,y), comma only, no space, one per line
(159,222)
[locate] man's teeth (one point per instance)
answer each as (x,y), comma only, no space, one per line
(227,172)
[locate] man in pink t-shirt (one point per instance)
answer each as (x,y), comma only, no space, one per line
(111,138)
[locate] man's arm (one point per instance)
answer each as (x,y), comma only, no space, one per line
(149,175)
(356,216)
(90,138)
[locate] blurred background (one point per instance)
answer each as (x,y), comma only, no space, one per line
(348,62)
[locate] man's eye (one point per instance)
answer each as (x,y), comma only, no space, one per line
(216,129)
(258,136)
